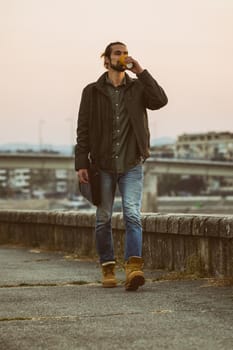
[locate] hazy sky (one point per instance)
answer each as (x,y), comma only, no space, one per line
(50,49)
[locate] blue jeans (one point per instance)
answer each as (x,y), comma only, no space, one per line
(130,187)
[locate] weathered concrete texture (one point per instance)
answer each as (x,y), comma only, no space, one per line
(196,243)
(53,302)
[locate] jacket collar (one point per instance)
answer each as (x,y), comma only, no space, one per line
(101,82)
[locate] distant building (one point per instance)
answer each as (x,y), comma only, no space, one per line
(19,181)
(211,145)
(3,177)
(164,151)
(61,178)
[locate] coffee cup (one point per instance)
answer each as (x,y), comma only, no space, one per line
(128,65)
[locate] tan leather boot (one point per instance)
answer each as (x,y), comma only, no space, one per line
(109,279)
(134,274)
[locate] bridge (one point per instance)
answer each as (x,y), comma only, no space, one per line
(155,165)
(189,167)
(152,168)
(36,161)
(158,166)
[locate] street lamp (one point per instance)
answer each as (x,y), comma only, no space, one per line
(41,122)
(70,121)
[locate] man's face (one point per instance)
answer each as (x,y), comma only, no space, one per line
(117,52)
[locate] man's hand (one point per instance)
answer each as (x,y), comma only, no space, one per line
(137,69)
(83,176)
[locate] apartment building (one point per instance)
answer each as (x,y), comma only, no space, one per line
(37,183)
(211,146)
(19,181)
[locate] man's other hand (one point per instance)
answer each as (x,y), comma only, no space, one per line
(83,176)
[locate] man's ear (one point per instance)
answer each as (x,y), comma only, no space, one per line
(106,62)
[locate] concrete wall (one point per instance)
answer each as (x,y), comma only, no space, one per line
(180,242)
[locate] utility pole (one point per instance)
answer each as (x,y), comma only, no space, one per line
(71,134)
(41,122)
(71,174)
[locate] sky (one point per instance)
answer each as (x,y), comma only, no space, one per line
(50,50)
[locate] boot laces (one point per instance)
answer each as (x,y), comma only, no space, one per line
(108,270)
(134,267)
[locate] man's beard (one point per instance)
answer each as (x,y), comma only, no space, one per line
(117,67)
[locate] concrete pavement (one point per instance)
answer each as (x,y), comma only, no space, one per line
(51,300)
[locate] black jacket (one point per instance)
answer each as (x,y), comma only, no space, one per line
(94,131)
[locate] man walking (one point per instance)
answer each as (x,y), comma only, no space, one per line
(113,134)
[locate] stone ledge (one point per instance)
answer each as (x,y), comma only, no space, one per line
(181,224)
(170,241)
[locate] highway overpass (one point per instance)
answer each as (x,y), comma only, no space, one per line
(152,168)
(153,165)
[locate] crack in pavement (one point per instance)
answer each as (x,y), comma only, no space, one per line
(55,284)
(46,318)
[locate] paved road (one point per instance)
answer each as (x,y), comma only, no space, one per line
(52,301)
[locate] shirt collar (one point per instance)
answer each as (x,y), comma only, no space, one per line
(108,81)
